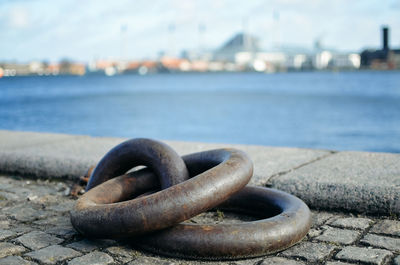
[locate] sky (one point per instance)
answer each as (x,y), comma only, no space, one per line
(87,30)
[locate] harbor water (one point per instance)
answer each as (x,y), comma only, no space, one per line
(326,110)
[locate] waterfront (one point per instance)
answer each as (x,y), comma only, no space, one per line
(328,110)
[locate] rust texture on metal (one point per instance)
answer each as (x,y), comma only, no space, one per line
(289,223)
(104,211)
(157,156)
(147,206)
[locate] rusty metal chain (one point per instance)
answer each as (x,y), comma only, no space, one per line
(148,205)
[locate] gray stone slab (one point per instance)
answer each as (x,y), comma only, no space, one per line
(7,249)
(22,228)
(150,261)
(38,240)
(53,254)
(84,245)
(24,212)
(279,261)
(12,140)
(15,260)
(338,263)
(387,227)
(71,157)
(60,221)
(96,257)
(354,181)
(382,242)
(9,196)
(320,218)
(312,252)
(350,222)
(66,232)
(397,260)
(255,261)
(339,236)
(4,224)
(87,245)
(4,234)
(268,161)
(314,232)
(63,159)
(366,255)
(124,254)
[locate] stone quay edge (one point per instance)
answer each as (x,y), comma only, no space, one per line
(359,182)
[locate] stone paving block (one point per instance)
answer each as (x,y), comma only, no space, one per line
(56,220)
(382,242)
(338,263)
(123,253)
(4,234)
(63,231)
(9,196)
(12,140)
(279,261)
(312,252)
(22,229)
(96,257)
(350,222)
(397,260)
(255,261)
(65,206)
(24,212)
(38,239)
(314,232)
(366,255)
(87,245)
(53,254)
(4,224)
(84,245)
(150,261)
(15,260)
(320,218)
(339,236)
(387,227)
(354,181)
(7,249)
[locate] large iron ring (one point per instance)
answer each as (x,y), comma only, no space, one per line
(104,212)
(157,156)
(289,221)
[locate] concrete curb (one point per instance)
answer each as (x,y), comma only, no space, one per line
(352,181)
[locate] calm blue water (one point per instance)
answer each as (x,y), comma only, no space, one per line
(342,111)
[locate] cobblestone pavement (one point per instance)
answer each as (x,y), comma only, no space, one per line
(35,229)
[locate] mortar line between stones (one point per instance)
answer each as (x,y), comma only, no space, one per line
(275,176)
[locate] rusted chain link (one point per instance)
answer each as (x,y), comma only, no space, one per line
(284,221)
(95,216)
(157,156)
(115,209)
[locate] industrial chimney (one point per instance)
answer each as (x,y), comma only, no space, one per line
(385,38)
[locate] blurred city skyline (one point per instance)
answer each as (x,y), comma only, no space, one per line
(87,30)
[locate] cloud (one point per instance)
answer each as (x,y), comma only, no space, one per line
(18,18)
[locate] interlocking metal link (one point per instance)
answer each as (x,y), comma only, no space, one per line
(132,205)
(157,156)
(284,220)
(103,211)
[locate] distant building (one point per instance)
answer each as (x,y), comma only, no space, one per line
(71,68)
(15,69)
(384,58)
(242,45)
